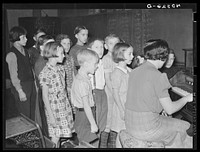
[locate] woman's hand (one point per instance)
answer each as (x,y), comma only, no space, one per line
(189,97)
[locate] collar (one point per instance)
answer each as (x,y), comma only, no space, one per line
(124,70)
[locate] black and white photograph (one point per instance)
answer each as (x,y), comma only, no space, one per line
(99,75)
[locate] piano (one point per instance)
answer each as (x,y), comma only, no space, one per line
(182,84)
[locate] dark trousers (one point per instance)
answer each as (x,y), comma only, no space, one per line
(10,109)
(26,107)
(42,114)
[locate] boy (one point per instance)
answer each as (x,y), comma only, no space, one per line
(109,66)
(98,82)
(82,99)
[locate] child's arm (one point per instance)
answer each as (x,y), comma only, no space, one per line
(47,105)
(118,102)
(89,114)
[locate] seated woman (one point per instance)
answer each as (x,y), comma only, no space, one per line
(148,95)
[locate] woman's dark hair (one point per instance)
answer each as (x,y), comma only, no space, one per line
(156,49)
(79,28)
(16,32)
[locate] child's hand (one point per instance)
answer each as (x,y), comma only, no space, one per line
(22,95)
(94,128)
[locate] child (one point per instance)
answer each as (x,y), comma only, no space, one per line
(57,108)
(33,51)
(41,62)
(81,34)
(109,66)
(98,83)
(65,41)
(39,65)
(82,99)
(21,74)
(122,55)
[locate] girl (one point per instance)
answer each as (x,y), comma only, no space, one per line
(21,74)
(33,51)
(81,34)
(122,55)
(39,65)
(68,62)
(57,108)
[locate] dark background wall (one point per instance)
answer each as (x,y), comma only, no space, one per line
(173,25)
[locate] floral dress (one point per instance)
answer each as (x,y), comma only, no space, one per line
(69,74)
(53,77)
(69,71)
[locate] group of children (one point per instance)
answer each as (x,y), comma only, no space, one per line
(78,89)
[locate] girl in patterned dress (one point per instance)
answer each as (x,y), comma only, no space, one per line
(57,107)
(68,63)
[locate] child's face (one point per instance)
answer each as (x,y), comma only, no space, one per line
(170,60)
(98,48)
(60,54)
(66,44)
(82,36)
(128,55)
(22,40)
(111,43)
(92,65)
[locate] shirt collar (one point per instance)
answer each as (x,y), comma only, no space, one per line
(124,70)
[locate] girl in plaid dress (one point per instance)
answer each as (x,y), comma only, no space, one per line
(57,107)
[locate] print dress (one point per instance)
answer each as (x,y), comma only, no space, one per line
(69,71)
(53,77)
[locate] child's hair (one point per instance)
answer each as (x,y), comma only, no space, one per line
(40,30)
(42,39)
(156,49)
(86,55)
(118,51)
(79,28)
(171,51)
(92,40)
(110,36)
(60,37)
(50,49)
(16,32)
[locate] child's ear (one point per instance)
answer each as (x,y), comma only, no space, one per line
(105,46)
(34,38)
(76,36)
